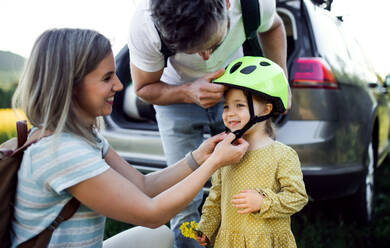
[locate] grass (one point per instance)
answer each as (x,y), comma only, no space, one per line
(113,227)
(322,224)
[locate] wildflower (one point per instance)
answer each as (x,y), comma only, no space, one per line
(188,230)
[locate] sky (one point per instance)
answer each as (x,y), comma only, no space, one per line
(369,20)
(22,21)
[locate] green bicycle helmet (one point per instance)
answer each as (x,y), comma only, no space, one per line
(259,76)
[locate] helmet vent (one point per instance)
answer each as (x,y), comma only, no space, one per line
(235,67)
(248,69)
(264,63)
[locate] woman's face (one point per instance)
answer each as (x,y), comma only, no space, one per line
(236,111)
(95,96)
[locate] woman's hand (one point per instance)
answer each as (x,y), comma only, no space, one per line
(226,153)
(207,147)
(248,201)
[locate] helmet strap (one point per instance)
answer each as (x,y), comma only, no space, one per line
(253,119)
(250,103)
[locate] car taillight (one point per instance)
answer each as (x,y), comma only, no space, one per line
(312,73)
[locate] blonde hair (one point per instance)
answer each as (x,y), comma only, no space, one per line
(58,63)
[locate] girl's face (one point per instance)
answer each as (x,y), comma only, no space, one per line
(95,96)
(236,112)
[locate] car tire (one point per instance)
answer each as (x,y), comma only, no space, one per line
(362,206)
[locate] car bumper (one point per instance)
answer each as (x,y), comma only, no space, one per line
(332,183)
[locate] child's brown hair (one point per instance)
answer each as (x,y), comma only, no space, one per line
(269,125)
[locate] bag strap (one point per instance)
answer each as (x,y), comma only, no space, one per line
(22,132)
(122,60)
(164,48)
(43,238)
(251,19)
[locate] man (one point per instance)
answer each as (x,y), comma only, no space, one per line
(204,36)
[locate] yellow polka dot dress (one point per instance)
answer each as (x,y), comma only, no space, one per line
(273,170)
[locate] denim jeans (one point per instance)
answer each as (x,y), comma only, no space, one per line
(181,128)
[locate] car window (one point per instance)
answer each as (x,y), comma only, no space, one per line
(361,64)
(330,42)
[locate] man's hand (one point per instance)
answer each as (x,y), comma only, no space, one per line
(204,93)
(248,201)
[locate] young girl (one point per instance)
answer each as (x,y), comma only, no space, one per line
(69,80)
(250,205)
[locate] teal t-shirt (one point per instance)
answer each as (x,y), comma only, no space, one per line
(48,168)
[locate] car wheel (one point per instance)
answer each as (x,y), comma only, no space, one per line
(363,200)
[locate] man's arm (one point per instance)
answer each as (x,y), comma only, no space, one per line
(274,45)
(148,87)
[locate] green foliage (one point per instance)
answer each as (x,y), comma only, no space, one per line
(322,224)
(113,227)
(8,79)
(4,137)
(6,96)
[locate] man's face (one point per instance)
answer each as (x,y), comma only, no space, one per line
(213,42)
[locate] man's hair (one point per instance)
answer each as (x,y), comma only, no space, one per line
(186,25)
(59,61)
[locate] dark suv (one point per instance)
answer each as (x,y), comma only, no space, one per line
(338,124)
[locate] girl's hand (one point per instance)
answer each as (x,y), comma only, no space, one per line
(248,201)
(226,153)
(202,240)
(207,147)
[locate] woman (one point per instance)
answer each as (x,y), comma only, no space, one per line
(69,81)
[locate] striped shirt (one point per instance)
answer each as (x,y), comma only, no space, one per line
(48,168)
